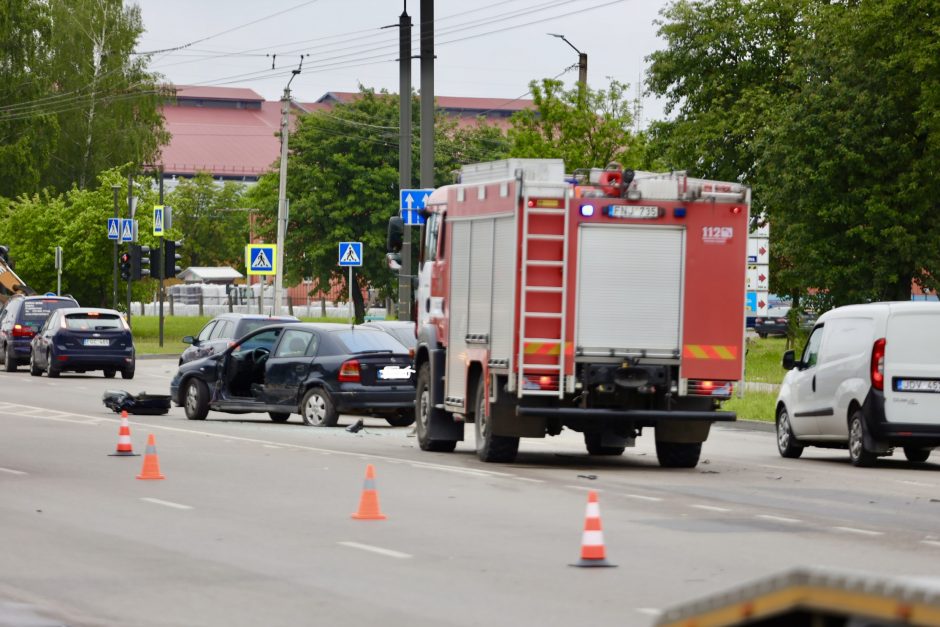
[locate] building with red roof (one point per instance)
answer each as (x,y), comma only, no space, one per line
(232,132)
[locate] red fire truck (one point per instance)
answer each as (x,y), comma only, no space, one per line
(606,301)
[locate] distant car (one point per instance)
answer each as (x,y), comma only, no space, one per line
(312,369)
(220,332)
(401,330)
(20,319)
(81,339)
(776,322)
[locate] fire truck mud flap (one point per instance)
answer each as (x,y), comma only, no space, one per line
(441,425)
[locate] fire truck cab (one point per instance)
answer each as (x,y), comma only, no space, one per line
(604,301)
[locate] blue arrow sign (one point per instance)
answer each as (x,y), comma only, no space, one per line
(751,302)
(114,228)
(350,254)
(261,258)
(412,217)
(413,198)
(127,230)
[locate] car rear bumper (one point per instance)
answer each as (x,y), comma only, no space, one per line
(897,433)
(82,361)
(370,399)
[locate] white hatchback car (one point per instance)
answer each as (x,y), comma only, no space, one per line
(868,380)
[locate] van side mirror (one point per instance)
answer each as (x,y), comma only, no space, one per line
(789,360)
(395,236)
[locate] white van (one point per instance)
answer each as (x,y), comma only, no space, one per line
(868,380)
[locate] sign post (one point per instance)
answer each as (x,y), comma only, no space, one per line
(350,255)
(58,269)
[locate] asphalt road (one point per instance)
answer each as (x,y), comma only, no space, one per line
(252,525)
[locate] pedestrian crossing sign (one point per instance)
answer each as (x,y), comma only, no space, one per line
(114,228)
(350,254)
(261,259)
(158,220)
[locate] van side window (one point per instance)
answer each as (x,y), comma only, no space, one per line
(811,352)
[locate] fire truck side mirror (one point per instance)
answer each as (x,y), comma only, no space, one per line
(396,232)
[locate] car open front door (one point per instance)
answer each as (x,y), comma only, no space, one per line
(805,403)
(287,367)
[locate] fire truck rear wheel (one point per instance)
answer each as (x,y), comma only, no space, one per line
(678,454)
(592,441)
(423,415)
(491,448)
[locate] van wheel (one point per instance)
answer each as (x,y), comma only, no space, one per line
(34,370)
(491,448)
(592,441)
(317,409)
(423,415)
(858,454)
(916,454)
(196,399)
(787,444)
(9,360)
(678,454)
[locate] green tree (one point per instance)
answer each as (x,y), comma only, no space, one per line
(28,129)
(106,102)
(850,164)
(211,219)
(585,132)
(343,186)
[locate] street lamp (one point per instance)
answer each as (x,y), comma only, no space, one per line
(582,63)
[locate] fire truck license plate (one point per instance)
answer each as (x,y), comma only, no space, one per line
(632,211)
(917,385)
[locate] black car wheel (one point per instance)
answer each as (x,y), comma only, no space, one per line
(9,359)
(279,416)
(109,373)
(317,409)
(127,373)
(402,419)
(196,399)
(916,454)
(858,454)
(33,368)
(491,448)
(787,444)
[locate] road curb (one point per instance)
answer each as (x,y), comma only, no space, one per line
(749,425)
(158,356)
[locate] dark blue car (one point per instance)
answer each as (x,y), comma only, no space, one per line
(20,319)
(81,339)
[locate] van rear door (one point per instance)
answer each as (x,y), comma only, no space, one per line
(912,365)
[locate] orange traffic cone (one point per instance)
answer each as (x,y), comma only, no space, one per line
(151,468)
(369,502)
(592,542)
(124,447)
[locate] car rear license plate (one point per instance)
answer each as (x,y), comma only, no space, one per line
(917,385)
(97,342)
(395,373)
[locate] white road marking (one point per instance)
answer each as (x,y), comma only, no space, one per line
(861,532)
(917,483)
(530,480)
(376,549)
(584,488)
(649,611)
(272,446)
(711,508)
(460,471)
(13,472)
(775,467)
(782,519)
(165,503)
(931,543)
(642,497)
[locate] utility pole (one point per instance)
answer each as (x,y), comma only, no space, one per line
(114,291)
(404,156)
(130,214)
(427,94)
(162,252)
(582,68)
(282,195)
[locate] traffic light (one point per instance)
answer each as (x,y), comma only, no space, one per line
(126,266)
(171,256)
(155,262)
(140,262)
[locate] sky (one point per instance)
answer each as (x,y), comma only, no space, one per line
(484,48)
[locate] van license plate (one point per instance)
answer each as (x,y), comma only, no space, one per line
(917,385)
(97,342)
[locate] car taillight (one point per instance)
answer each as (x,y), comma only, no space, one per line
(878,364)
(349,372)
(20,331)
